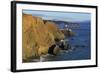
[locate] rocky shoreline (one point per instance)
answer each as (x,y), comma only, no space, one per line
(39,37)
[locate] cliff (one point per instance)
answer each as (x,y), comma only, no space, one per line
(37,36)
(54,30)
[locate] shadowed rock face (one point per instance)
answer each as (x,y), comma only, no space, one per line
(37,37)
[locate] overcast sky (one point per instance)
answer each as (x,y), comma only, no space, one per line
(63,16)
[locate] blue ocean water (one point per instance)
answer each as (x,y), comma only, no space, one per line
(81,42)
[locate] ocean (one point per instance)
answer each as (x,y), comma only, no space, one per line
(81,43)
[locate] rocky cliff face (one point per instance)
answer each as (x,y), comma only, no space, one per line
(54,30)
(38,36)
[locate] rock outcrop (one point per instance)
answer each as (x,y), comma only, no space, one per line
(68,32)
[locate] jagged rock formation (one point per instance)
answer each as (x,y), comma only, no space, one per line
(68,32)
(38,36)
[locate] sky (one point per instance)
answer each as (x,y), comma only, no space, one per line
(62,16)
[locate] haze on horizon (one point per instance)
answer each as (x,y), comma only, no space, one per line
(60,16)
